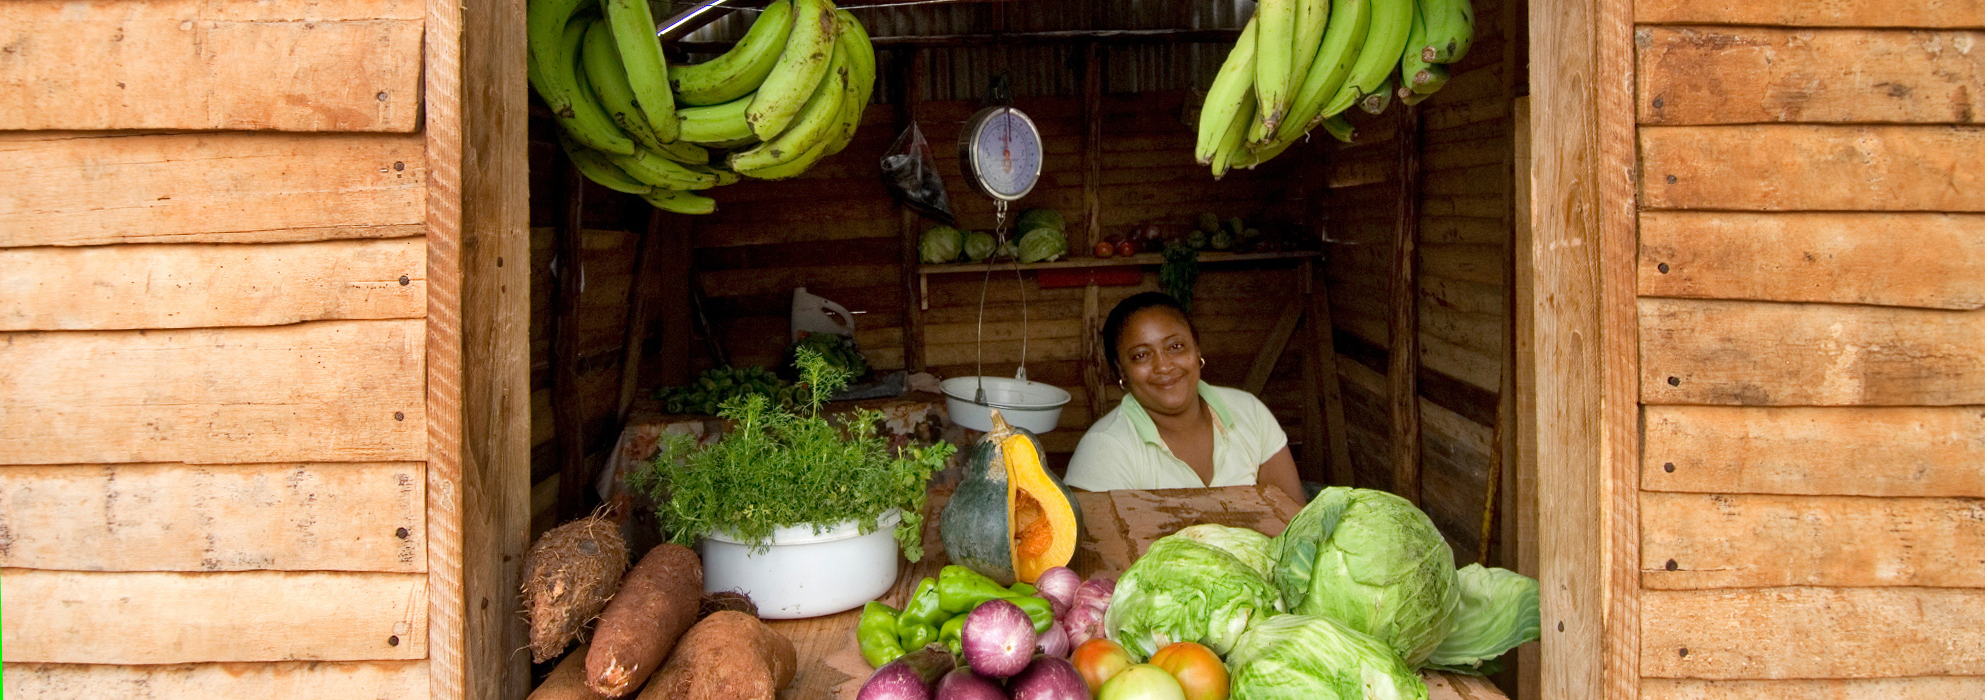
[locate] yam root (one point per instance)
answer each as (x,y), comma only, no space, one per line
(569,575)
(726,600)
(657,603)
(567,681)
(727,656)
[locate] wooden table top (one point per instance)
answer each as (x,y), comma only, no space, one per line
(1119,526)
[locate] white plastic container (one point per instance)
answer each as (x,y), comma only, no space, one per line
(803,573)
(1027,404)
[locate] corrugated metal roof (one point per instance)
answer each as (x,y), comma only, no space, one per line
(963,72)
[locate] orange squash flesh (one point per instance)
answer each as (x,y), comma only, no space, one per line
(1035,520)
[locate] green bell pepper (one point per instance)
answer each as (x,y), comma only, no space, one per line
(951,635)
(1038,609)
(1024,588)
(960,589)
(877,634)
(917,625)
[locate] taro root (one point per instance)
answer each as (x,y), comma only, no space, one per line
(568,576)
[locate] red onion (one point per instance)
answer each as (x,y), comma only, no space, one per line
(998,638)
(1058,585)
(1049,678)
(1054,642)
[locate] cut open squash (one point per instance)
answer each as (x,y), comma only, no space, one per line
(1010,518)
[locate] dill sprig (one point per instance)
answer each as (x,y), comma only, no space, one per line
(779,467)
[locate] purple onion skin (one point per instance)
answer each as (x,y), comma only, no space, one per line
(962,684)
(1049,678)
(910,676)
(998,638)
(1083,624)
(1058,585)
(1054,642)
(1095,591)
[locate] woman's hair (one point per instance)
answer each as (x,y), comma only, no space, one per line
(1113,326)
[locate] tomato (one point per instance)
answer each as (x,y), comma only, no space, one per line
(1105,249)
(1097,660)
(1141,682)
(1127,247)
(1197,669)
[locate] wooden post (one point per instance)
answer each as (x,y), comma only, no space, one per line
(1092,147)
(1321,378)
(1277,341)
(565,392)
(911,75)
(1403,369)
(1094,379)
(646,258)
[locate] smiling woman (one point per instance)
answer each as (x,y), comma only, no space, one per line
(1173,430)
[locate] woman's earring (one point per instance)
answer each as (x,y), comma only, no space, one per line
(1202,363)
(1120,382)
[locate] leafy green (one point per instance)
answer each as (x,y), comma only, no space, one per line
(1182,590)
(978,246)
(779,468)
(1180,272)
(1372,561)
(1315,657)
(1251,547)
(1498,612)
(1041,245)
(940,244)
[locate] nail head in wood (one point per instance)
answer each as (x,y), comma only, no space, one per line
(1672,565)
(1674,381)
(1663,267)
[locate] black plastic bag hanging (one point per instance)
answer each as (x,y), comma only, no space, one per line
(911,176)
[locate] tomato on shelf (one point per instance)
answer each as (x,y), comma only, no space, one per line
(1198,670)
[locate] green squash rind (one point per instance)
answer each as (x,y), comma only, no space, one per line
(973,538)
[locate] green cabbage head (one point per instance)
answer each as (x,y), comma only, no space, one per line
(1374,562)
(1313,657)
(940,244)
(1041,245)
(1185,591)
(1252,548)
(978,245)
(1498,613)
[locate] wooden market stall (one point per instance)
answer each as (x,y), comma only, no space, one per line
(287,378)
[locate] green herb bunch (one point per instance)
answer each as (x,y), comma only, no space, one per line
(779,467)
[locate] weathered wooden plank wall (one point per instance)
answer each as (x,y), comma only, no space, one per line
(214,302)
(1466,158)
(1809,346)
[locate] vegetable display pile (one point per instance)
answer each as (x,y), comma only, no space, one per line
(964,636)
(782,467)
(1300,64)
(1355,596)
(788,94)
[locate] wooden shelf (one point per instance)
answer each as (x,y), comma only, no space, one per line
(1205,258)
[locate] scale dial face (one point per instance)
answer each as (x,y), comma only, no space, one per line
(1001,152)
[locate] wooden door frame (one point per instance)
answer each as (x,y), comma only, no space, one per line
(1583,246)
(1583,303)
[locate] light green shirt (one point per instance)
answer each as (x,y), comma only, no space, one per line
(1122,450)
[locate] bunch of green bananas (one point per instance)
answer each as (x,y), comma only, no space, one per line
(838,350)
(708,392)
(1302,63)
(789,93)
